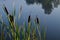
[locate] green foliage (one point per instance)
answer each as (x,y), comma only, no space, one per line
(16,32)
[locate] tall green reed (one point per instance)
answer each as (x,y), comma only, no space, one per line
(21,31)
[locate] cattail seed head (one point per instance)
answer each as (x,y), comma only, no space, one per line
(29,19)
(5,9)
(11,18)
(37,20)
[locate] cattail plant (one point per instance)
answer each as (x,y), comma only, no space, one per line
(10,17)
(37,22)
(15,31)
(29,25)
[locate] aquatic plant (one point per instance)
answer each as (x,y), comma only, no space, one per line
(15,32)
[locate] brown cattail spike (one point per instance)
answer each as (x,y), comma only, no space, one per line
(11,18)
(29,19)
(5,9)
(37,20)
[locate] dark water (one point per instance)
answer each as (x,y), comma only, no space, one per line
(48,11)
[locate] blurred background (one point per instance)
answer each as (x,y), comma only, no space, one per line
(48,12)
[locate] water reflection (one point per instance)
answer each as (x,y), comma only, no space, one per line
(47,5)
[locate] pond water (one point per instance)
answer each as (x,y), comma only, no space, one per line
(48,11)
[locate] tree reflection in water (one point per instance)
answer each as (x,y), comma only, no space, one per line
(47,5)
